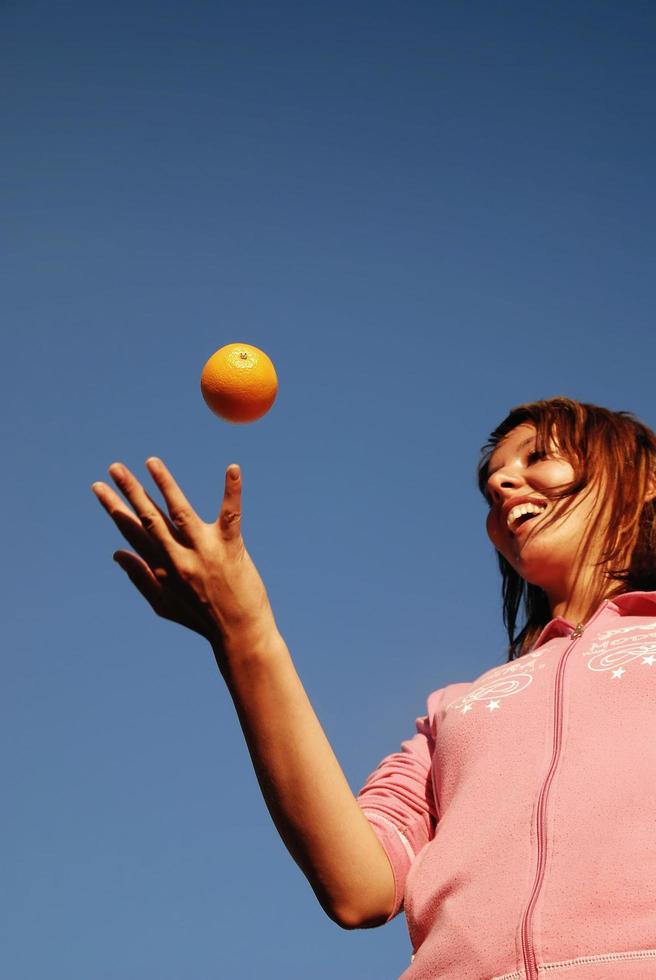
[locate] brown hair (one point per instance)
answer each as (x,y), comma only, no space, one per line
(614,454)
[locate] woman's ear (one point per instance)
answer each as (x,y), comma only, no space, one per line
(651,486)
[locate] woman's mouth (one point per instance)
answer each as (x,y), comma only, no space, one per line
(520,526)
(522,515)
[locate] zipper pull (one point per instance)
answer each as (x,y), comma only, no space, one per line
(577,632)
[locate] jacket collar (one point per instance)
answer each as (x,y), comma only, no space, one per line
(627,604)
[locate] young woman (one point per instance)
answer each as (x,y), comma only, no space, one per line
(516,827)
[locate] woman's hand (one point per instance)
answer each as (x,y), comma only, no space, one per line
(196,574)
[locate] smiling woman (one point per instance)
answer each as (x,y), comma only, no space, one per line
(592,474)
(515,826)
(518,820)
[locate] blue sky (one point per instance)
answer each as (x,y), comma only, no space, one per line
(425,213)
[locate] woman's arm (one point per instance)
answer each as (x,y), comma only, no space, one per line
(201,576)
(305,790)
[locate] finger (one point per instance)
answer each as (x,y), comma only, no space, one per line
(180,510)
(128,524)
(229,519)
(141,575)
(152,585)
(151,516)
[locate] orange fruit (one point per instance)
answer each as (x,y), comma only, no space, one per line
(239,383)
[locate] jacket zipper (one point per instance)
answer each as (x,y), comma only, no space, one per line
(528,947)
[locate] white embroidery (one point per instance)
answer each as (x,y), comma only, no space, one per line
(625,629)
(609,651)
(502,688)
(615,648)
(499,682)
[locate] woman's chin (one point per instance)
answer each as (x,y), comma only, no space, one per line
(533,563)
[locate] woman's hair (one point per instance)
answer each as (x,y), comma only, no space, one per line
(615,455)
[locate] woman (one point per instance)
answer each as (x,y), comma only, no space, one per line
(516,827)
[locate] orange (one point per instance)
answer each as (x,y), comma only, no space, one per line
(239,383)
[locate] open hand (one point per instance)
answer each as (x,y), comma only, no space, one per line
(196,574)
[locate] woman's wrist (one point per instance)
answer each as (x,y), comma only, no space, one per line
(247,646)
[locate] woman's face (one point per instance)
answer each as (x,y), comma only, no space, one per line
(547,557)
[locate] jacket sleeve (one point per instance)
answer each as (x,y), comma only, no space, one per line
(398,801)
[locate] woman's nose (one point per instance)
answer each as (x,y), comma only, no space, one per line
(503,483)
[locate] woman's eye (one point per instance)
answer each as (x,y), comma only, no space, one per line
(535,456)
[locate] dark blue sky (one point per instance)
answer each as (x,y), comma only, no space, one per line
(425,213)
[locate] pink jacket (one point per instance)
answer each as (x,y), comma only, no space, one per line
(520,820)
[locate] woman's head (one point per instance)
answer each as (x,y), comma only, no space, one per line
(587,478)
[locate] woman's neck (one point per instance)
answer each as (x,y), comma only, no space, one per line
(581,605)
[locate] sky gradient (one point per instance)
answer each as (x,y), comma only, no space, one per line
(425,213)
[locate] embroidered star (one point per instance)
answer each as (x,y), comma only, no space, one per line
(492,705)
(619,672)
(649,660)
(467,708)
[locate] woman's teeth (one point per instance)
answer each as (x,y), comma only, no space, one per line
(520,510)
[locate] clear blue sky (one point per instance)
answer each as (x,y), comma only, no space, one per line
(426,213)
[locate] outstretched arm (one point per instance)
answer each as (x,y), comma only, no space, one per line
(201,576)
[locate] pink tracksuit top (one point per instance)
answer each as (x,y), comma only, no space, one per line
(520,819)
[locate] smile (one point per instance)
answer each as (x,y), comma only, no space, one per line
(522,514)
